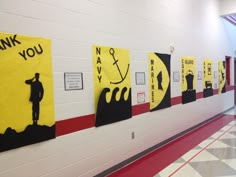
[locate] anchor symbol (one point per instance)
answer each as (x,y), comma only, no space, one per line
(112,52)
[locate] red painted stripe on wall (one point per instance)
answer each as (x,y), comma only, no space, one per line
(79,123)
(199,95)
(215,91)
(74,124)
(140,109)
(176,100)
(229,87)
(67,126)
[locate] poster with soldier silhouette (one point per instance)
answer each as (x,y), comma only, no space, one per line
(207,78)
(188,79)
(222,76)
(159,81)
(112,85)
(26,91)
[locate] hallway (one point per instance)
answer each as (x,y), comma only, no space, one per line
(208,151)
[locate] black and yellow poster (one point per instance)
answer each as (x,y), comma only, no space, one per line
(221,76)
(26,91)
(188,79)
(112,84)
(207,77)
(159,81)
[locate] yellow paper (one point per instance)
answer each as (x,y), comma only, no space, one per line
(207,73)
(221,76)
(159,82)
(111,70)
(188,69)
(20,58)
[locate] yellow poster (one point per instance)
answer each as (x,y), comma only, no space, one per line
(207,77)
(188,79)
(221,76)
(112,88)
(159,80)
(26,91)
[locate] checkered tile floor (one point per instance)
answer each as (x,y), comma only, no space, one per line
(208,151)
(214,157)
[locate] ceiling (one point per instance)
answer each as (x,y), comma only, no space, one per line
(231,18)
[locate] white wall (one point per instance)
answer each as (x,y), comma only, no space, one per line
(193,27)
(227,7)
(230,30)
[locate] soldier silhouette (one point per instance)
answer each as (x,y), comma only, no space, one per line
(36,95)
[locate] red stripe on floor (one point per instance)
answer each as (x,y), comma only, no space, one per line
(154,162)
(203,149)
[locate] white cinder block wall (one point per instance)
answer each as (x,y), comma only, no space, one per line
(192,27)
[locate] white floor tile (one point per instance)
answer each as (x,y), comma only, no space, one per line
(202,156)
(176,175)
(225,128)
(190,154)
(216,144)
(231,123)
(231,163)
(187,170)
(167,175)
(205,143)
(169,169)
(217,134)
(198,156)
(233,129)
(227,136)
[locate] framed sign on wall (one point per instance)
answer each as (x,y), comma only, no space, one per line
(140,78)
(73,81)
(141,97)
(176,76)
(199,75)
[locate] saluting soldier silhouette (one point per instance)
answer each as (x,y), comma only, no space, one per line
(36,95)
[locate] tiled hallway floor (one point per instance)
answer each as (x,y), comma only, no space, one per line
(209,151)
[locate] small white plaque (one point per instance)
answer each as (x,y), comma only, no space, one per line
(199,75)
(141,97)
(176,76)
(73,81)
(140,78)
